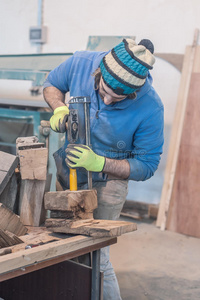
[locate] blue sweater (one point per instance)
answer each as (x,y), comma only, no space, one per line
(129,129)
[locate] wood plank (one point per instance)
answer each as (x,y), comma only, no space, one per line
(184,210)
(59,214)
(11,222)
(175,136)
(33,163)
(91,227)
(8,163)
(55,260)
(31,202)
(9,195)
(40,254)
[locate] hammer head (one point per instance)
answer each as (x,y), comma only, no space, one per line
(72,130)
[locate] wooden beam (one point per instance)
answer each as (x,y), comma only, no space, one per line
(51,251)
(33,170)
(31,202)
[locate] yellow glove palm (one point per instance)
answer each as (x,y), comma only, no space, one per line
(59,119)
(83,156)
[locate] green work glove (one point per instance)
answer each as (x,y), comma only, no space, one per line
(59,119)
(83,156)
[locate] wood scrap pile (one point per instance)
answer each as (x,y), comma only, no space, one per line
(180,206)
(70,211)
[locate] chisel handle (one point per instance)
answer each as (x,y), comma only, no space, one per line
(72,180)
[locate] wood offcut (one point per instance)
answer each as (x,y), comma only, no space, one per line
(11,222)
(71,204)
(91,227)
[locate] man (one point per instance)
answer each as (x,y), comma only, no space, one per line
(126,117)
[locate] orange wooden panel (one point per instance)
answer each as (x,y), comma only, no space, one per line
(184,210)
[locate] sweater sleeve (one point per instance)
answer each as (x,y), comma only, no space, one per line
(148,143)
(60,76)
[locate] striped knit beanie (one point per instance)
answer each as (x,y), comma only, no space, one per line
(125,68)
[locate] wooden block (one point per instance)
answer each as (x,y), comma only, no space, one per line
(31,202)
(33,163)
(11,222)
(76,201)
(91,227)
(8,163)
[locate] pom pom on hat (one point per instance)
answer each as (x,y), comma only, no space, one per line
(147,44)
(125,68)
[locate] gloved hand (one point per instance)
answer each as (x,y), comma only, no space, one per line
(83,156)
(59,119)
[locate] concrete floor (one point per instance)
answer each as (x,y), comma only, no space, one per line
(155,265)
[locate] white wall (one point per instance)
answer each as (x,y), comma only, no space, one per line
(169,23)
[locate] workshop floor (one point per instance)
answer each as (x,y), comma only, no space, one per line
(155,265)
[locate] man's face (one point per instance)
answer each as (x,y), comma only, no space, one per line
(107,95)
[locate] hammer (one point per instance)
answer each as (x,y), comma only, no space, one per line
(73,135)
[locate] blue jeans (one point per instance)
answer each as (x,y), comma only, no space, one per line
(111,196)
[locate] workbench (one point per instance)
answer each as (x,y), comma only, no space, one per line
(42,249)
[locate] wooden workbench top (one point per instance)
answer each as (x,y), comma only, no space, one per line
(44,249)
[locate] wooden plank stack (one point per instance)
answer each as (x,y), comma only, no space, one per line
(72,212)
(180,206)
